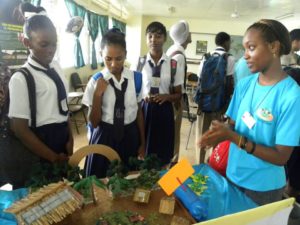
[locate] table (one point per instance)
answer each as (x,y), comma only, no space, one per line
(75,94)
(90,213)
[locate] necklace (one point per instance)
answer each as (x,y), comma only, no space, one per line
(263,99)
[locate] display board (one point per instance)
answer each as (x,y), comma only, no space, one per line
(12,51)
(11,18)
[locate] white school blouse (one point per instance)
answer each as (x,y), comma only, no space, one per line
(109,98)
(47,111)
(165,76)
(180,59)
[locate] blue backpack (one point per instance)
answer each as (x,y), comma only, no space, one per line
(210,93)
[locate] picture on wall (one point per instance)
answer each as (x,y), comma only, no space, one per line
(201,47)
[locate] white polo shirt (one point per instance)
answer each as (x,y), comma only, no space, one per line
(165,76)
(47,111)
(109,98)
(230,62)
(180,59)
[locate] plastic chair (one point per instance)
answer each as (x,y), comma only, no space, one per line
(76,82)
(190,116)
(104,150)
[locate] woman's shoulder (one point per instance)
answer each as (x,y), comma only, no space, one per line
(128,73)
(246,81)
(290,88)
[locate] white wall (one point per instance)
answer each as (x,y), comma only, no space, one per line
(136,40)
(133,38)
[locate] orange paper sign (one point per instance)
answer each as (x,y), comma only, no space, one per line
(176,176)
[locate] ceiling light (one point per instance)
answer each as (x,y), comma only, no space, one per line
(235,15)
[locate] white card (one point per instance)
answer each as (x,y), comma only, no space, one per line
(155,82)
(248,120)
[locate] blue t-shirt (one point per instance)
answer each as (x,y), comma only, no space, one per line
(275,109)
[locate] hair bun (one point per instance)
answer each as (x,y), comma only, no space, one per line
(116,31)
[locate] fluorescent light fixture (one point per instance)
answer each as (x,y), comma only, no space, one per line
(284,16)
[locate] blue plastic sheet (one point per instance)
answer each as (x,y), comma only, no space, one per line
(219,199)
(6,199)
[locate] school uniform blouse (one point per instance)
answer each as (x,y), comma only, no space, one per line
(47,111)
(165,76)
(109,98)
(180,59)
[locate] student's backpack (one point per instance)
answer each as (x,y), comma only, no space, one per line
(16,159)
(173,65)
(210,93)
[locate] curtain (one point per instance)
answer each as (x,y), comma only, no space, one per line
(35,2)
(119,24)
(103,28)
(93,30)
(76,10)
(103,24)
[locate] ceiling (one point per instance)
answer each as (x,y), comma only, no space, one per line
(246,10)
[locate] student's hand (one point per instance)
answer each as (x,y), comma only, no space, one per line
(161,98)
(61,157)
(141,152)
(101,86)
(147,99)
(69,146)
(217,133)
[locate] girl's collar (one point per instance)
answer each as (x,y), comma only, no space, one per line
(34,61)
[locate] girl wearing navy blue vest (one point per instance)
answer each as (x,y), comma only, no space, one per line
(114,112)
(52,138)
(160,89)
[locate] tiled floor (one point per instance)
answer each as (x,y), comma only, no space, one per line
(80,140)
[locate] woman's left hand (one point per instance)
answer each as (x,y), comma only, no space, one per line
(217,133)
(161,98)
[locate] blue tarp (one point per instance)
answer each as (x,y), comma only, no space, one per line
(219,199)
(6,199)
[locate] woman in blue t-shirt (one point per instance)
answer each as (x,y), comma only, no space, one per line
(263,115)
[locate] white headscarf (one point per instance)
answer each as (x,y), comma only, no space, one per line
(179,32)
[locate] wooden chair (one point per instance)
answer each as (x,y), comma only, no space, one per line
(104,150)
(76,82)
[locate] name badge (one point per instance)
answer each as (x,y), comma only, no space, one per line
(155,82)
(265,115)
(248,120)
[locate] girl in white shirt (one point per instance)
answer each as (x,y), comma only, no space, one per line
(115,114)
(52,138)
(160,90)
